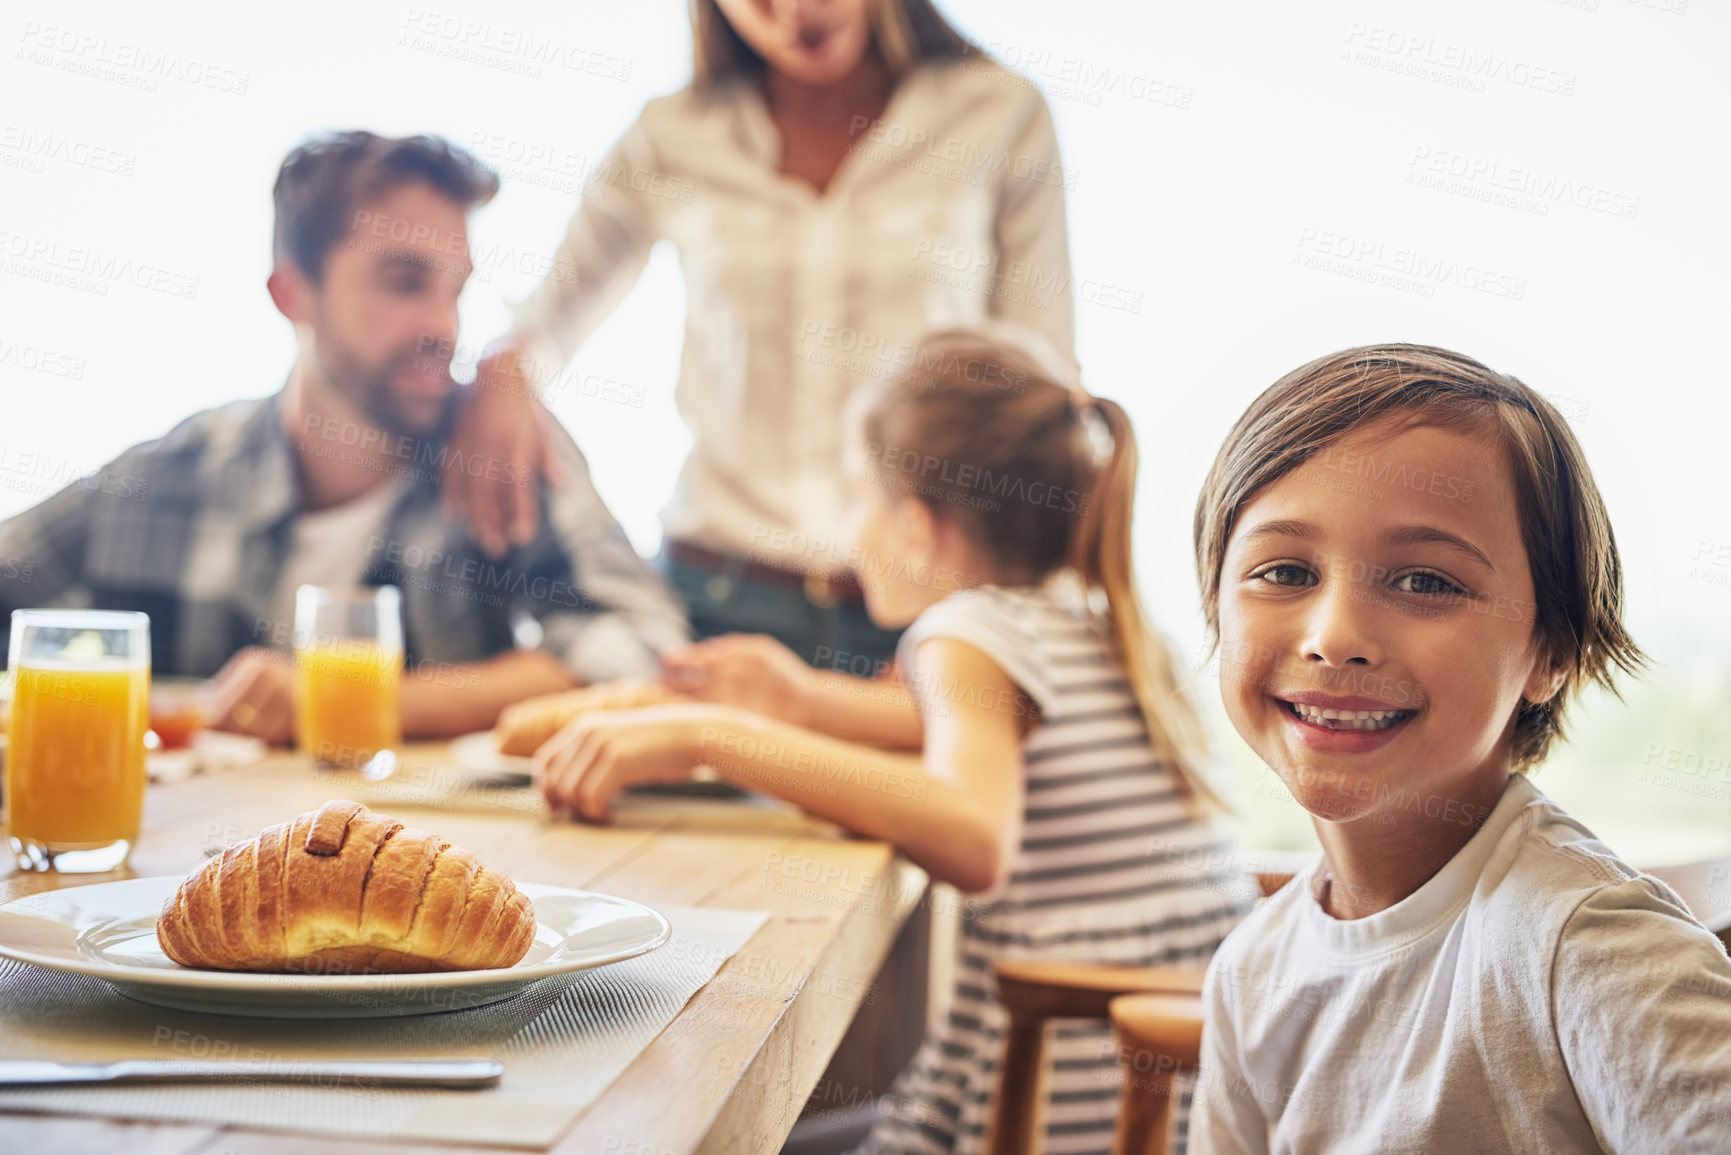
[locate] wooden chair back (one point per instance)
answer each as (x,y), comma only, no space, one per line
(1159,1038)
(1034,993)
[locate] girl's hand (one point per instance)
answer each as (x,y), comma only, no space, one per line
(523,726)
(584,765)
(751,671)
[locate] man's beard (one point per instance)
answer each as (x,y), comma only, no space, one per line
(371,389)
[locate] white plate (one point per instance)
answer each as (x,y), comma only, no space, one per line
(108,931)
(478,753)
(211,750)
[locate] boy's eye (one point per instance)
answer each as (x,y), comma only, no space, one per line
(1428,584)
(1285,573)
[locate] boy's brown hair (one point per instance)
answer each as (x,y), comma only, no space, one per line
(323,182)
(1571,551)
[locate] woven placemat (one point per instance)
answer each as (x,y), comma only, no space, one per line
(562,1042)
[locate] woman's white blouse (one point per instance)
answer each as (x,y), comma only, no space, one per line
(949,210)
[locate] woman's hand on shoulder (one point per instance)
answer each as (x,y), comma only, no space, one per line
(500,446)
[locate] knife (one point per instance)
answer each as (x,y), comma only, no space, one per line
(463,1073)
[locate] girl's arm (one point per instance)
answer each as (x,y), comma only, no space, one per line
(451,699)
(955,809)
(879,711)
(757,673)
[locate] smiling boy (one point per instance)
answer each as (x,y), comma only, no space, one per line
(1466,968)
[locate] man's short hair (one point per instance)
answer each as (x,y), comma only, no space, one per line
(325,181)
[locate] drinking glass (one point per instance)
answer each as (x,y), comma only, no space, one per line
(75,739)
(348,674)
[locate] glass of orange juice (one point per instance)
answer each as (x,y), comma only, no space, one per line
(75,738)
(348,672)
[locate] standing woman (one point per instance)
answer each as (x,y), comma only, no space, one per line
(839,177)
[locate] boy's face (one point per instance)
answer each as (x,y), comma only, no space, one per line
(1385,581)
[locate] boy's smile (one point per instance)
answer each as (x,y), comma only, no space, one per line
(1376,625)
(1345,724)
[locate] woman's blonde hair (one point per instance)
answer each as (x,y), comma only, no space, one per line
(1038,476)
(1577,574)
(904,31)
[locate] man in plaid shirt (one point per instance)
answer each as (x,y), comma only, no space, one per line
(335,481)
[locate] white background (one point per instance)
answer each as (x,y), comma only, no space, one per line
(1281,132)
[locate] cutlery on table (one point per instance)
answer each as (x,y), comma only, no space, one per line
(462,1073)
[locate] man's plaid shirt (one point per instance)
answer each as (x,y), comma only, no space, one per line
(193,529)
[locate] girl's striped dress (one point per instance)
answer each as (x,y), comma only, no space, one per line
(1113,868)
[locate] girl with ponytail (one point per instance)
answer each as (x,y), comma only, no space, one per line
(1032,745)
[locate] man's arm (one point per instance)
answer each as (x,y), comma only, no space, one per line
(254,693)
(42,552)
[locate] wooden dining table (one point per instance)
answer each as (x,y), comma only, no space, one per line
(733,1069)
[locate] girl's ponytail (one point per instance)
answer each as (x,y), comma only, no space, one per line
(1100,555)
(1039,477)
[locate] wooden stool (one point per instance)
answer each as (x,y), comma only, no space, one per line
(1160,1036)
(1036,992)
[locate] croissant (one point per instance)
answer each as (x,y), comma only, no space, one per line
(343,889)
(525,725)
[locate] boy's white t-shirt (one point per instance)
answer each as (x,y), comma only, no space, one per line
(1537,994)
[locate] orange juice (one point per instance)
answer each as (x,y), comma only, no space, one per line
(75,753)
(346,701)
